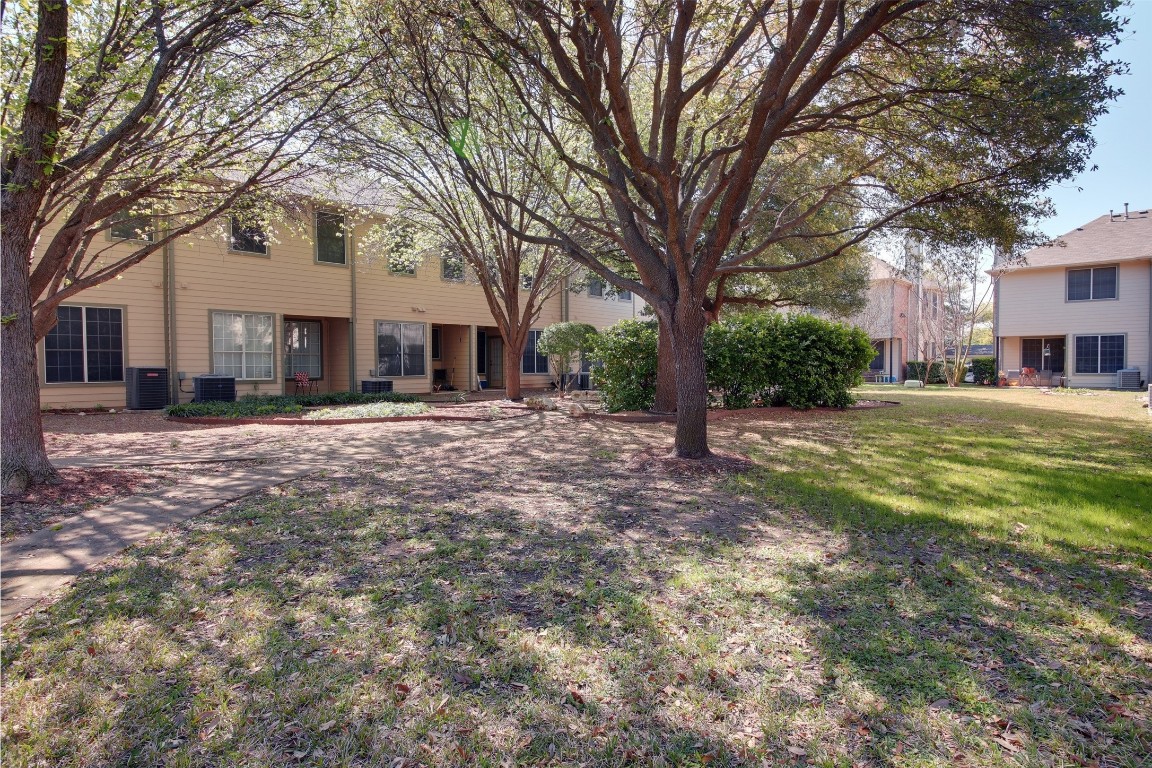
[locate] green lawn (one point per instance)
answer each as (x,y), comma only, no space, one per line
(960,581)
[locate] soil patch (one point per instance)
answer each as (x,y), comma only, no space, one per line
(85,488)
(655,462)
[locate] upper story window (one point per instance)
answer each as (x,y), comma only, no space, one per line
(85,345)
(595,286)
(131,225)
(398,266)
(1092,284)
(624,295)
(527,281)
(452,267)
(247,237)
(331,238)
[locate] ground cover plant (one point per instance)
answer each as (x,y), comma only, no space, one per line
(960,581)
(370,411)
(272,405)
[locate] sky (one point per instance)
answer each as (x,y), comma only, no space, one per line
(1123,151)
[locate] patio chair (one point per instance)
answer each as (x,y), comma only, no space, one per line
(304,383)
(1029,377)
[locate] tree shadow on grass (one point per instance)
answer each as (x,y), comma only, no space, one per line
(559,610)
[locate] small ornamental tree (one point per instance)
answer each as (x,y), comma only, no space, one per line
(565,344)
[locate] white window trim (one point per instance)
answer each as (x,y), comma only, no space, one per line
(546,371)
(243,365)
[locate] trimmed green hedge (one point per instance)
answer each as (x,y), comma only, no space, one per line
(273,405)
(751,359)
(984,370)
(916,368)
(799,361)
(624,365)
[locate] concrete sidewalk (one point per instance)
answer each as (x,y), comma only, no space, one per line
(38,564)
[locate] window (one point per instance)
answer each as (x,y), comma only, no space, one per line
(127,225)
(624,295)
(399,266)
(87,345)
(1099,354)
(400,349)
(242,345)
(435,342)
(527,281)
(1092,284)
(452,267)
(302,340)
(877,363)
(533,361)
(247,237)
(595,286)
(331,245)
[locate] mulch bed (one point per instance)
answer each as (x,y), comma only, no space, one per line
(653,461)
(78,489)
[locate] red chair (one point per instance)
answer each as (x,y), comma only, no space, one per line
(304,383)
(1029,377)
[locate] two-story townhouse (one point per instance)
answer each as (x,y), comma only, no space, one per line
(1079,309)
(899,318)
(227,300)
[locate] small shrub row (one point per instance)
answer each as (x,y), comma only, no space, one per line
(273,405)
(984,370)
(935,373)
(799,361)
(751,359)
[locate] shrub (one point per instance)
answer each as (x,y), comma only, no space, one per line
(916,368)
(271,405)
(738,356)
(816,362)
(624,365)
(984,370)
(564,343)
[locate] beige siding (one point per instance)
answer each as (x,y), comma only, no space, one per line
(140,292)
(600,311)
(1032,303)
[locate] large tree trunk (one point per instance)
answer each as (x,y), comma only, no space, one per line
(665,373)
(512,356)
(22,454)
(688,328)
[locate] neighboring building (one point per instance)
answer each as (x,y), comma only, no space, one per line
(226,302)
(900,318)
(1081,307)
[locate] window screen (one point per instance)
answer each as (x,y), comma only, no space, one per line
(129,226)
(86,345)
(1104,283)
(1099,354)
(1079,284)
(400,349)
(1111,353)
(595,286)
(1032,353)
(247,237)
(302,348)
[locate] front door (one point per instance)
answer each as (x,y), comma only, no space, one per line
(495,362)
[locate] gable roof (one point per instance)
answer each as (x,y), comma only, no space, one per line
(1108,239)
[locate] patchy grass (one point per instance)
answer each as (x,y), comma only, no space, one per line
(525,599)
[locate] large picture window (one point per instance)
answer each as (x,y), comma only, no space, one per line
(302,340)
(533,361)
(331,238)
(242,345)
(400,349)
(1092,284)
(1099,354)
(87,345)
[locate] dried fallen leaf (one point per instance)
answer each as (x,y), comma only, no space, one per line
(576,697)
(798,751)
(327,726)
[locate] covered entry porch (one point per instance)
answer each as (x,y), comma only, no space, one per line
(318,348)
